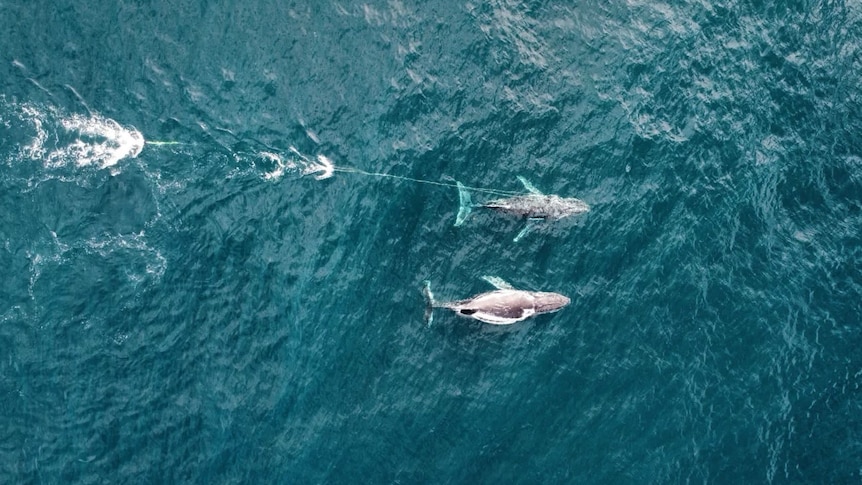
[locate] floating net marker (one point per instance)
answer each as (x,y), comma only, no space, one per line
(323,167)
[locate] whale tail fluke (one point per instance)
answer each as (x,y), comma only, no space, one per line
(465,204)
(429,303)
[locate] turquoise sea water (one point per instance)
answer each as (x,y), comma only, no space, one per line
(202,312)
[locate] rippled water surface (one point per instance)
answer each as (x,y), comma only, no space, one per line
(207,278)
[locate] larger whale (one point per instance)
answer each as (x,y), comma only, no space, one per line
(503,306)
(534,206)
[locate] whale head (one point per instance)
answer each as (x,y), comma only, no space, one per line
(546,302)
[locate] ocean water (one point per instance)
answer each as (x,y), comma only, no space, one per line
(187,298)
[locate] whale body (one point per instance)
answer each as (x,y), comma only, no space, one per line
(503,306)
(539,206)
(533,206)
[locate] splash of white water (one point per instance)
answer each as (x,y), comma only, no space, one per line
(322,168)
(62,139)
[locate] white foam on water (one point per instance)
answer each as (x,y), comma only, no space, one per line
(155,264)
(38,260)
(282,165)
(142,264)
(35,149)
(78,139)
(322,168)
(106,141)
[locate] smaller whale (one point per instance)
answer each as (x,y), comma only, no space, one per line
(534,206)
(503,306)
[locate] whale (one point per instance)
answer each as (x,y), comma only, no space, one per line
(534,206)
(503,306)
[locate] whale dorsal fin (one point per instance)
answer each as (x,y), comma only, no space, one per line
(530,187)
(498,283)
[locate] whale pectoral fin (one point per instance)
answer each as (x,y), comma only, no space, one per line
(530,187)
(429,303)
(531,223)
(498,283)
